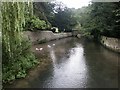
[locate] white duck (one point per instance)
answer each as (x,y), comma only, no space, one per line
(53,44)
(41,49)
(49,46)
(37,49)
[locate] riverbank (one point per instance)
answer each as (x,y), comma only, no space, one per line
(111,43)
(76,63)
(44,63)
(38,37)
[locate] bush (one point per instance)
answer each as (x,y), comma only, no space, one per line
(35,23)
(19,68)
(22,62)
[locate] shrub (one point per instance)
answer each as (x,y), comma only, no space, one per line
(18,67)
(35,23)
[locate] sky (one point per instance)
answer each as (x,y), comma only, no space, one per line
(75,3)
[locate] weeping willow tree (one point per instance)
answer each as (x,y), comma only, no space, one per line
(16,56)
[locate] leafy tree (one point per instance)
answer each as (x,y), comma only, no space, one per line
(100,19)
(64,18)
(56,14)
(34,23)
(44,10)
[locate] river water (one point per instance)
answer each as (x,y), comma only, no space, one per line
(77,63)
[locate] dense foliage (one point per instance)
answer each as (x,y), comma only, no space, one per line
(33,20)
(17,58)
(64,19)
(100,19)
(34,23)
(56,15)
(95,19)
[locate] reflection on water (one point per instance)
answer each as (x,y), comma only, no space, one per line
(77,63)
(80,64)
(53,56)
(71,73)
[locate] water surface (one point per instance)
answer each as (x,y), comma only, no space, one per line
(77,63)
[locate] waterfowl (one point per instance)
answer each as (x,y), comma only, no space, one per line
(41,49)
(53,44)
(49,46)
(37,49)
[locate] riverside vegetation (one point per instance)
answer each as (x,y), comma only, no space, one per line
(95,20)
(17,57)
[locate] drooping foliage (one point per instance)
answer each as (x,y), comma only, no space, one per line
(16,56)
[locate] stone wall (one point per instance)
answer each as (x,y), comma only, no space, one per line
(75,32)
(38,36)
(111,43)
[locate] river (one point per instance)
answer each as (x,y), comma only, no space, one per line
(76,63)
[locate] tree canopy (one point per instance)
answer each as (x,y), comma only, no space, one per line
(100,19)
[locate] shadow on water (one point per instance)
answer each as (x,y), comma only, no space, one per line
(102,64)
(77,63)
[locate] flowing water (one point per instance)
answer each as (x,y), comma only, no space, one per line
(77,63)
